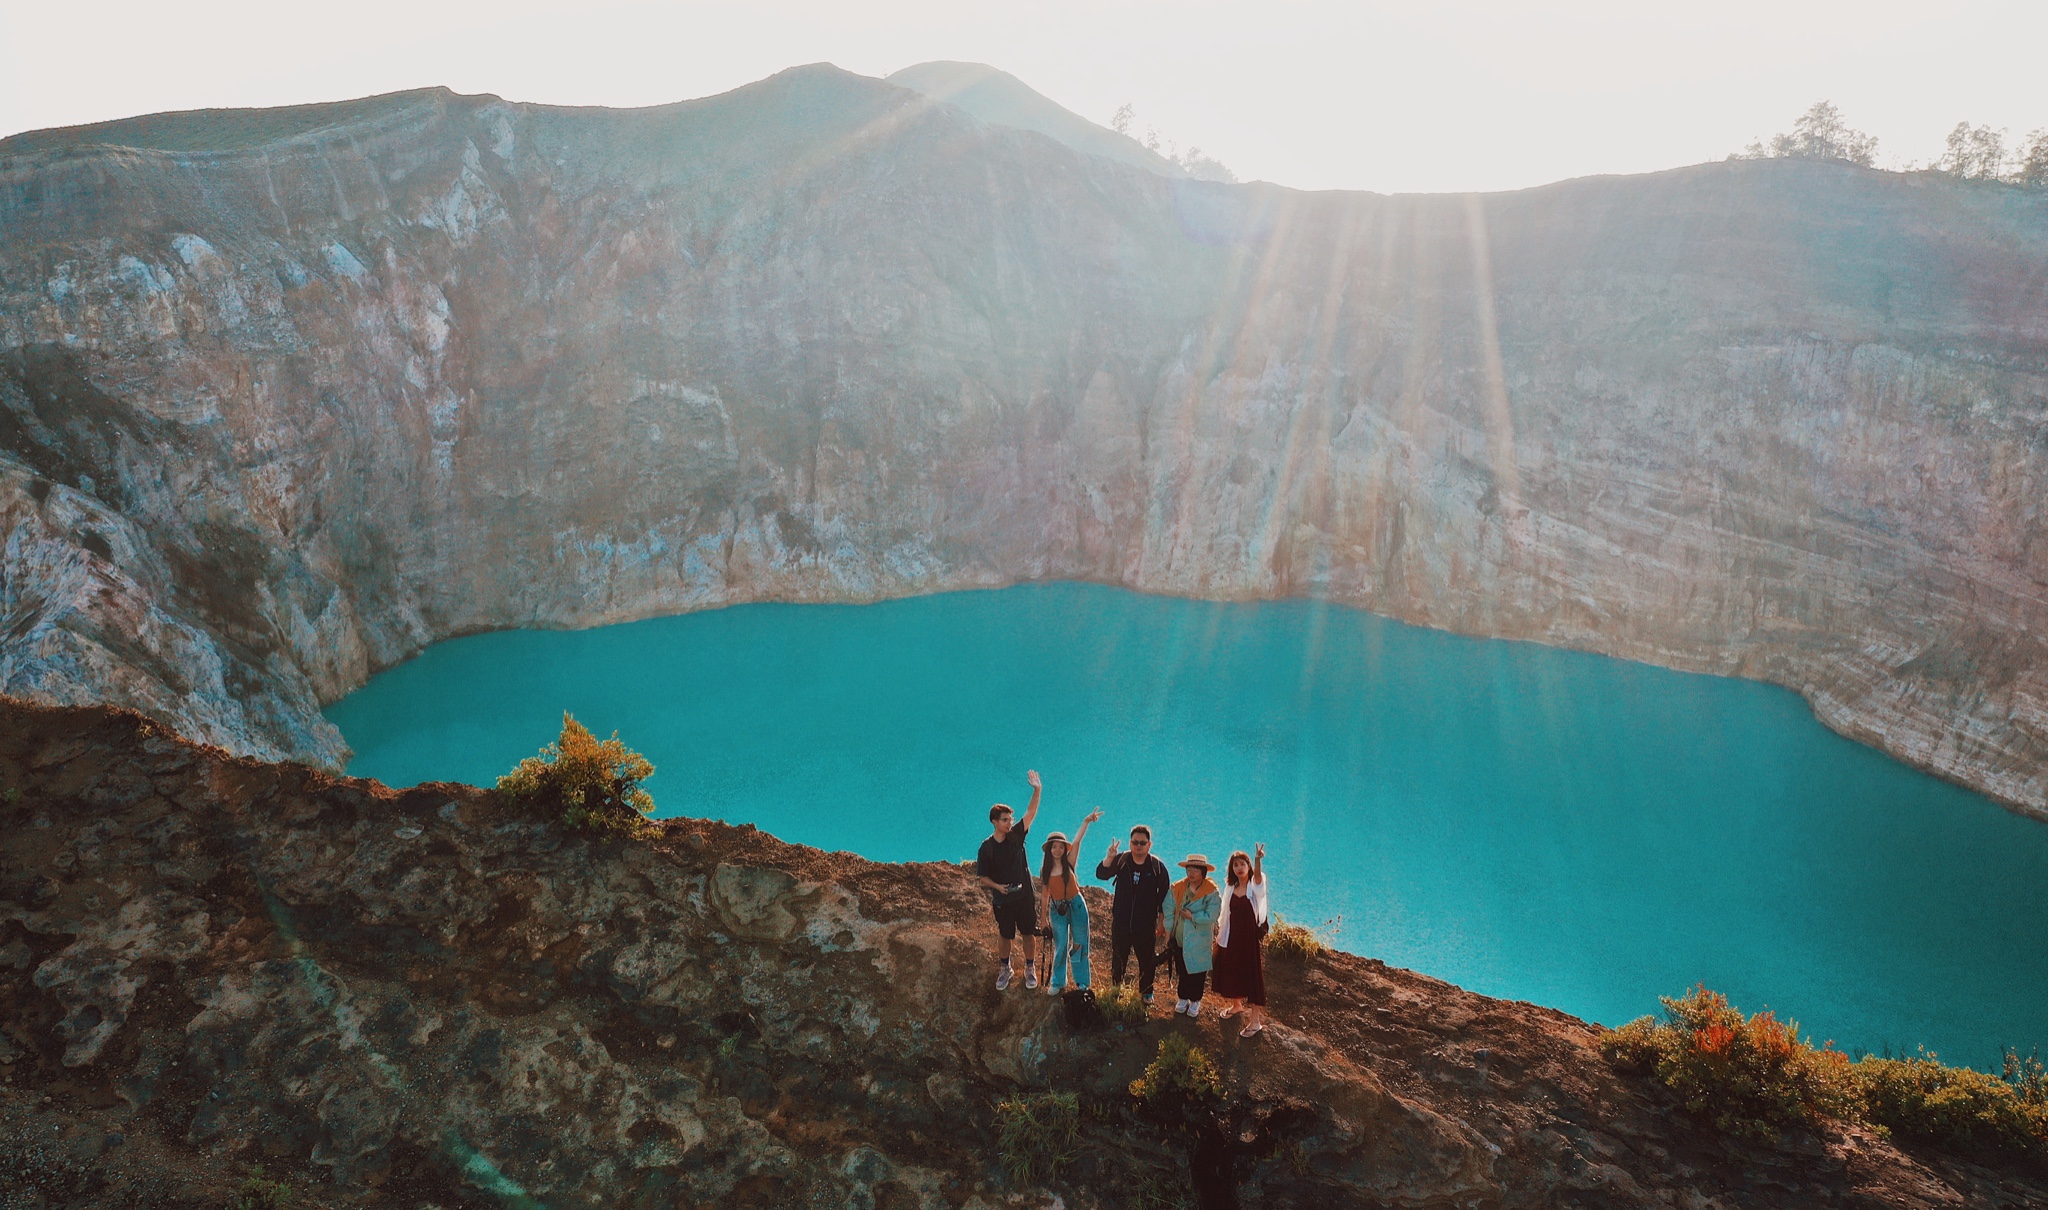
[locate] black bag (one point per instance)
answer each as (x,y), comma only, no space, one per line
(1084,1016)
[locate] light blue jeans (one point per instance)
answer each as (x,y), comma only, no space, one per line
(1070,928)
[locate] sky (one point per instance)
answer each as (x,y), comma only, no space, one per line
(1476,95)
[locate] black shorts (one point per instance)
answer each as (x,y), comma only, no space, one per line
(1013,912)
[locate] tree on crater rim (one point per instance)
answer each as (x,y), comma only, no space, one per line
(594,783)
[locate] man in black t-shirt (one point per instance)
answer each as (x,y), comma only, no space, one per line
(1006,875)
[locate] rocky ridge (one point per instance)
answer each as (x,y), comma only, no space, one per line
(286,395)
(425,998)
(1001,99)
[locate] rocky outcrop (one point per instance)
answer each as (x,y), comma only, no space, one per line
(286,395)
(428,997)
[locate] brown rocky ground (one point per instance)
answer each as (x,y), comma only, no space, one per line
(424,998)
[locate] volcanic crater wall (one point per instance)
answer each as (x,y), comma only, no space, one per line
(286,395)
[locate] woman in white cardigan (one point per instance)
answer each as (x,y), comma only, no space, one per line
(1240,929)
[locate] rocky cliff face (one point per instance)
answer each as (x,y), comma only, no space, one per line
(428,998)
(286,395)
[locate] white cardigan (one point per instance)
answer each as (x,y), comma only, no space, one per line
(1256,892)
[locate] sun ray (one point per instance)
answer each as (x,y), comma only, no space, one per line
(1500,419)
(1425,321)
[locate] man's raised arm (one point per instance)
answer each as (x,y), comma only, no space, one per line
(1107,870)
(1031,812)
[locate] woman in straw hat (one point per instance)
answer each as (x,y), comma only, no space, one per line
(1189,917)
(1065,911)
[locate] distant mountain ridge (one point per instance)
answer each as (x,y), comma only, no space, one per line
(212,131)
(983,92)
(1001,99)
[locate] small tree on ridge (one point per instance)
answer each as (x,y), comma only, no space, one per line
(2033,170)
(1975,153)
(594,783)
(1819,134)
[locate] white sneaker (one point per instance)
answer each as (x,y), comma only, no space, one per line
(1180,1006)
(1030,976)
(1194,1008)
(1003,978)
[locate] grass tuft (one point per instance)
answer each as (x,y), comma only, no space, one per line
(1162,1189)
(1300,942)
(1123,1006)
(1038,1135)
(257,1193)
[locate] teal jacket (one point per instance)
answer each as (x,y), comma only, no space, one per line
(1196,936)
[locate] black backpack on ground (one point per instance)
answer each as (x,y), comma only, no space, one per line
(1083,1014)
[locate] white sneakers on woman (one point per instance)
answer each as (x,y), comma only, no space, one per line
(1180,1007)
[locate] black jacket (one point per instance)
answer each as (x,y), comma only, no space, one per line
(1140,889)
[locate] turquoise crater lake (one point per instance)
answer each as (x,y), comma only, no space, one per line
(1539,824)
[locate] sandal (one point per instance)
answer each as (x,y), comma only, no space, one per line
(1229,1011)
(1251,1029)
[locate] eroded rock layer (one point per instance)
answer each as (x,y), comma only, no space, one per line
(286,395)
(429,997)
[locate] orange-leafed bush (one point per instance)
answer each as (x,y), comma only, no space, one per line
(1756,1076)
(1750,1075)
(594,783)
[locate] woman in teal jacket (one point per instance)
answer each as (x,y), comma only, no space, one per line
(1189,918)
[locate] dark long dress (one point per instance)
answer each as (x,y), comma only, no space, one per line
(1239,973)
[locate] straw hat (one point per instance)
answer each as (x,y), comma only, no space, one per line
(1059,836)
(1197,859)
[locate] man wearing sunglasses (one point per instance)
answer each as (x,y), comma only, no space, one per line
(1141,884)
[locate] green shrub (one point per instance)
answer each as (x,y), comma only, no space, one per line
(1300,942)
(1753,1076)
(1181,1069)
(256,1193)
(1038,1134)
(1957,1109)
(1122,1005)
(2028,1076)
(594,784)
